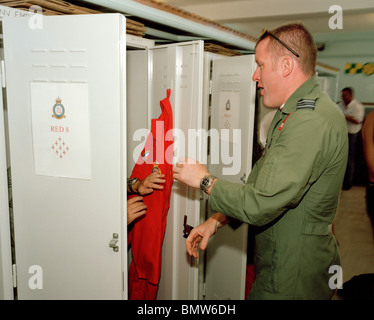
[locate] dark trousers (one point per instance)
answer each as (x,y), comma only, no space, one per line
(353,140)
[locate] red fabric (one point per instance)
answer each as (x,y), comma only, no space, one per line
(250,278)
(147,234)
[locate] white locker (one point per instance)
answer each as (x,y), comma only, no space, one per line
(64,224)
(66,217)
(179,66)
(233,111)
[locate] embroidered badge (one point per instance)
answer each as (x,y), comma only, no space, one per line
(156,168)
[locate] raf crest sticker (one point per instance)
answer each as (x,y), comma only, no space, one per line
(58,110)
(228,105)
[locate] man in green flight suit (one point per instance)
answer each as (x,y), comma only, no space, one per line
(292,193)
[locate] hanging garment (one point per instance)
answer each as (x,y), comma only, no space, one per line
(146,236)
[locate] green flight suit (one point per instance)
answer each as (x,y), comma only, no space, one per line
(291,196)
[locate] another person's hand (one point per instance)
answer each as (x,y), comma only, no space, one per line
(135,209)
(201,234)
(151,182)
(190,172)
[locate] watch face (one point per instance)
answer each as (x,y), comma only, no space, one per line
(206,182)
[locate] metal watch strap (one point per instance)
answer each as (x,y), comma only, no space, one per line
(130,183)
(206,182)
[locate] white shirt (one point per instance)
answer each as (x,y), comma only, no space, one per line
(356,110)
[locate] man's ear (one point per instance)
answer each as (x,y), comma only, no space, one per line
(287,65)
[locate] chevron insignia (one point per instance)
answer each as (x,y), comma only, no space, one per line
(306,103)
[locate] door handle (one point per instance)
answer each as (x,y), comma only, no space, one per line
(113,242)
(186,228)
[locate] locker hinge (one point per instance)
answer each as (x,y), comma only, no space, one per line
(14,275)
(3,83)
(204,290)
(210,86)
(123,281)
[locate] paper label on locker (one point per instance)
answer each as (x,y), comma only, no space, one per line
(228,113)
(60,129)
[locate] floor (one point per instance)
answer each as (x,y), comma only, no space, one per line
(354,234)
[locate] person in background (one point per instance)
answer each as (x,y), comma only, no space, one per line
(354,113)
(291,195)
(135,205)
(368,143)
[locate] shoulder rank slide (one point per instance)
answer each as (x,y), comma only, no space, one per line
(306,104)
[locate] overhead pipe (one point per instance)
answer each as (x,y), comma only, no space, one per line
(172,20)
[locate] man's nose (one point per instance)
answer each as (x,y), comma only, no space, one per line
(255,76)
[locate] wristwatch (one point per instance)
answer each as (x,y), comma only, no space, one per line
(130,183)
(206,182)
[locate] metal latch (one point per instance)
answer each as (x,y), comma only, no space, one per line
(113,242)
(186,228)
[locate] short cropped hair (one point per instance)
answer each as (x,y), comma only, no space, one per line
(296,36)
(349,89)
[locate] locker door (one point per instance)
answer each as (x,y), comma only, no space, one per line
(179,67)
(6,283)
(66,89)
(233,106)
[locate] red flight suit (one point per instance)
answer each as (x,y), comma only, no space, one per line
(146,235)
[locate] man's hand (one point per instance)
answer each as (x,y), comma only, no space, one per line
(190,172)
(201,234)
(151,182)
(135,209)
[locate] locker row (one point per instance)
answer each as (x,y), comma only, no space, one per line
(74,103)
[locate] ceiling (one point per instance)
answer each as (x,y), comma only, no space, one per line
(251,16)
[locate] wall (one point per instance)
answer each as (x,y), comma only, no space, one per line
(351,48)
